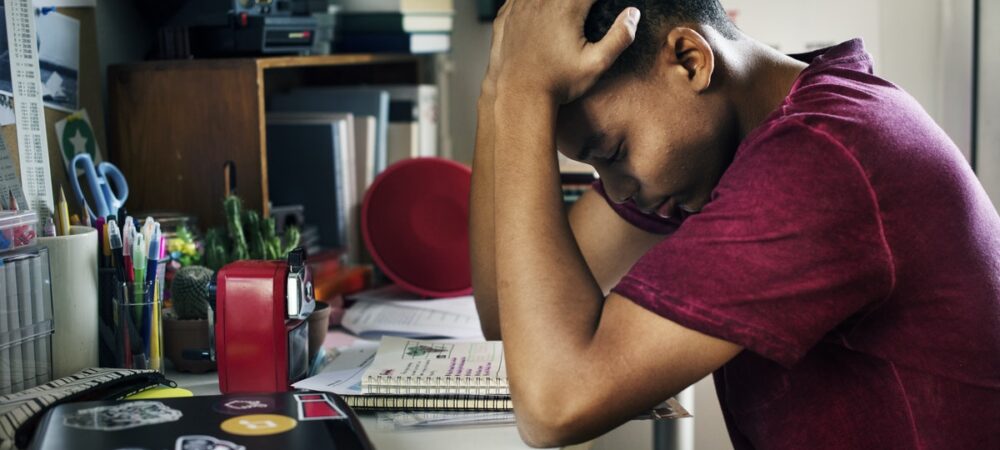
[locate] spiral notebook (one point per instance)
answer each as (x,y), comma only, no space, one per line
(417,367)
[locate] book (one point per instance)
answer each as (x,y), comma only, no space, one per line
(413,43)
(404,142)
(310,162)
(397,6)
(392,22)
(349,367)
(364,157)
(412,367)
(424,100)
(355,100)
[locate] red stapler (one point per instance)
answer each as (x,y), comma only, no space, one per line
(261,331)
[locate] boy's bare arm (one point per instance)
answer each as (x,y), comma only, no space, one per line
(578,364)
(610,245)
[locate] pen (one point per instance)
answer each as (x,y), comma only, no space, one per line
(127,241)
(154,249)
(147,229)
(12,202)
(115,237)
(99,225)
(149,305)
(63,208)
(139,268)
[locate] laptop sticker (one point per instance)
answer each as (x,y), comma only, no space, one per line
(123,416)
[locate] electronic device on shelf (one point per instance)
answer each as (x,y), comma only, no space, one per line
(215,28)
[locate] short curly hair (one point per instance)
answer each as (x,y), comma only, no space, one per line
(657,16)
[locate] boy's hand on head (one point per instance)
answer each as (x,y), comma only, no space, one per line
(544,50)
(489,87)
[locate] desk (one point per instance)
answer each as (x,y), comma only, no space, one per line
(481,438)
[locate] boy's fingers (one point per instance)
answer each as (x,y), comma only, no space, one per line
(604,52)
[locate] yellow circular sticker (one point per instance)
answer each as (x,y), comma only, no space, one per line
(258,424)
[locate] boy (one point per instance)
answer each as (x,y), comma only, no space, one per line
(828,254)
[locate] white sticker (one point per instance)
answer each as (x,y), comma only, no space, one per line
(201,442)
(123,416)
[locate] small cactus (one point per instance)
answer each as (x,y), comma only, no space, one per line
(189,292)
(234,224)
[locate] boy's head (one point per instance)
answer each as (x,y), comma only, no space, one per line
(656,126)
(657,16)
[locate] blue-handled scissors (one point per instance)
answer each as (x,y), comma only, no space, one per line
(106,201)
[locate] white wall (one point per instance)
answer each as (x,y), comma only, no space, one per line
(988,163)
(470,51)
(919,45)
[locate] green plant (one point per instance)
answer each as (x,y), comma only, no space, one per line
(247,236)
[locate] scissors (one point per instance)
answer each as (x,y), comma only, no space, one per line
(106,201)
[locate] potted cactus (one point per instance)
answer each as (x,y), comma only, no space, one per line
(186,330)
(246,236)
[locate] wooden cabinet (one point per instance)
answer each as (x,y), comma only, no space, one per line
(174,124)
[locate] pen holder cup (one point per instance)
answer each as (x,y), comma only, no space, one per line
(73,259)
(138,325)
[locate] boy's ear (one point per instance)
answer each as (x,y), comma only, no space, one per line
(688,55)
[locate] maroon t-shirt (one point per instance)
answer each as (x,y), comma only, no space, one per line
(851,250)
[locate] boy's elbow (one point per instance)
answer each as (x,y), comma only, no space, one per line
(549,423)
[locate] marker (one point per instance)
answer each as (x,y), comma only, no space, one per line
(50,228)
(118,261)
(139,274)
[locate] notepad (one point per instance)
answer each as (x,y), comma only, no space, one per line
(419,367)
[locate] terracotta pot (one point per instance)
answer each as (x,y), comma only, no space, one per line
(186,335)
(319,322)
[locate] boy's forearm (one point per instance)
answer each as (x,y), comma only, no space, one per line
(481,226)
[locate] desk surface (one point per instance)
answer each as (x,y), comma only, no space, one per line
(503,437)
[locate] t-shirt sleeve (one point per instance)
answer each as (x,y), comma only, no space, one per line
(790,246)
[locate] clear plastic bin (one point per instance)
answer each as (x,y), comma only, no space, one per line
(26,323)
(18,230)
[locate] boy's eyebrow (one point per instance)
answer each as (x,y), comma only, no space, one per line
(588,146)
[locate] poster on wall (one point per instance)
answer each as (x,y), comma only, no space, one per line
(796,26)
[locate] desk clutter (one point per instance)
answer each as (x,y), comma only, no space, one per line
(291,421)
(26,324)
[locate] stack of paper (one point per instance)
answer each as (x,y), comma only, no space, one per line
(392,312)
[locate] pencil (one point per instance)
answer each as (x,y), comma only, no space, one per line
(63,214)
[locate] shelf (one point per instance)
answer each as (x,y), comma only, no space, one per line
(173,124)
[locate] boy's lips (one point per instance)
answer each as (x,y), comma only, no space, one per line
(667,208)
(664,209)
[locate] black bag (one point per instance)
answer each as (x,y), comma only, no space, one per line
(20,413)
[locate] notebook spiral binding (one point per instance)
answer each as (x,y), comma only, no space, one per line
(439,385)
(429,403)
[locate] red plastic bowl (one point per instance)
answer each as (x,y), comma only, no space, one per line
(415,224)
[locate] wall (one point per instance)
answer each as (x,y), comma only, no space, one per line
(470,53)
(122,36)
(988,162)
(921,46)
